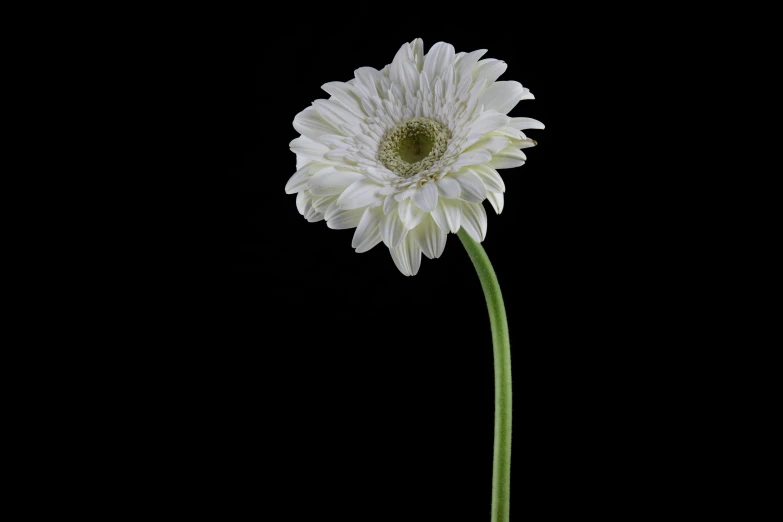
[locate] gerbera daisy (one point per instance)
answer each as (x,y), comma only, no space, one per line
(409,153)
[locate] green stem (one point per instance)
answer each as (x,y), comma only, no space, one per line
(501,464)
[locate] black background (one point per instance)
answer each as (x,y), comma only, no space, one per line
(351,391)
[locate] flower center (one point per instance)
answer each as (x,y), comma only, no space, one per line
(413,146)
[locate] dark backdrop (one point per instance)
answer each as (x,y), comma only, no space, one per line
(350,391)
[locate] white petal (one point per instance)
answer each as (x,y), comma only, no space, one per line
(448,214)
(464,66)
(399,196)
(473,189)
(310,123)
(331,181)
(424,82)
(502,96)
(299,180)
(336,114)
(392,230)
(335,142)
(370,241)
(524,143)
(508,158)
(509,132)
(378,174)
(400,259)
(473,157)
(325,204)
(496,199)
(448,187)
(439,216)
(409,214)
(308,148)
(301,161)
(389,204)
(303,202)
(313,216)
(347,95)
(359,194)
(449,83)
(370,78)
(525,123)
(369,223)
(430,238)
(489,70)
(426,197)
(332,209)
(474,220)
(491,143)
(490,178)
(414,255)
(403,71)
(404,53)
(472,107)
(440,57)
(438,88)
(345,219)
(407,257)
(364,143)
(417,48)
(340,157)
(487,122)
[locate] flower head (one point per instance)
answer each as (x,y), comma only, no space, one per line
(409,153)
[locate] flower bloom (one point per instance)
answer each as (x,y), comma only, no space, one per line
(409,153)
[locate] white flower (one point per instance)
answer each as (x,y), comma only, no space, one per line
(409,153)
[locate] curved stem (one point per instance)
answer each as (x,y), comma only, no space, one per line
(501,467)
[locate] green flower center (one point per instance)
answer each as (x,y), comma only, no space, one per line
(413,146)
